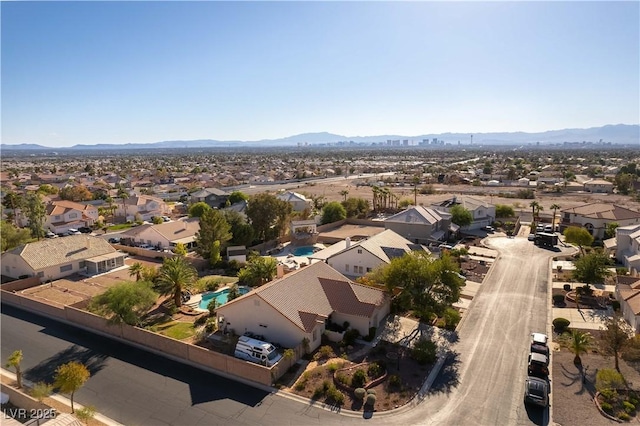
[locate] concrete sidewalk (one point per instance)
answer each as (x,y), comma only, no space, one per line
(589,319)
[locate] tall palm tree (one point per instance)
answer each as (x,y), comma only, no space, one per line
(554,207)
(174,275)
(344,193)
(136,269)
(578,342)
(534,205)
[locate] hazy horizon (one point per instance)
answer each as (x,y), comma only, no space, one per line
(142,72)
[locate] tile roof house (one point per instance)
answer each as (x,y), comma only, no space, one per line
(214,197)
(165,235)
(596,216)
(420,224)
(628,294)
(62,215)
(484,213)
(298,201)
(357,259)
(299,305)
(598,186)
(56,258)
(143,205)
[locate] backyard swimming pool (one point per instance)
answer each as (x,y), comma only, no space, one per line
(303,251)
(220,296)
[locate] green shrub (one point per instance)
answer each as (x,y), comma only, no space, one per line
(560,325)
(41,390)
(374,370)
(210,326)
(350,336)
(334,395)
(371,335)
(606,407)
(371,399)
(628,407)
(358,379)
(342,378)
(325,352)
(608,378)
(608,394)
(86,413)
(359,393)
(624,416)
(371,391)
(424,352)
(326,384)
(395,381)
(615,305)
(332,367)
(317,393)
(558,299)
(451,318)
(200,320)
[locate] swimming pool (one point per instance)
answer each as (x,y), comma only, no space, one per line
(303,251)
(220,296)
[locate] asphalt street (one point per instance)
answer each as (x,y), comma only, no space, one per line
(482,382)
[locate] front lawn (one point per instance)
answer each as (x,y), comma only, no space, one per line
(120,227)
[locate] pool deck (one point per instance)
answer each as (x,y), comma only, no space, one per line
(291,261)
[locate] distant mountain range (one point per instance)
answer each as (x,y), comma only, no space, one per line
(619,134)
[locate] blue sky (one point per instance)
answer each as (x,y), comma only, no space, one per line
(118,72)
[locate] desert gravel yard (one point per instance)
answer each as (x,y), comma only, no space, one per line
(572,400)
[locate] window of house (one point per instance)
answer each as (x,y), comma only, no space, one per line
(57,217)
(263,325)
(359,251)
(66,268)
(256,302)
(346,267)
(82,264)
(73,215)
(360,270)
(40,274)
(315,335)
(369,269)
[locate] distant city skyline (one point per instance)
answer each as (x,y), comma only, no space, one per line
(141,72)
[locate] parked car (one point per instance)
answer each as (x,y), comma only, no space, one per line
(489,228)
(531,237)
(536,391)
(50,234)
(73,231)
(85,230)
(114,240)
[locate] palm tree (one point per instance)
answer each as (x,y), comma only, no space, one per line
(554,207)
(578,342)
(14,361)
(534,205)
(174,275)
(344,193)
(136,269)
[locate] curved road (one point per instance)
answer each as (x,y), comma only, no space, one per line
(481,385)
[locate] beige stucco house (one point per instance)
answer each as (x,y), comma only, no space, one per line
(299,305)
(143,205)
(359,258)
(628,294)
(420,224)
(56,258)
(627,247)
(298,201)
(165,235)
(483,213)
(596,216)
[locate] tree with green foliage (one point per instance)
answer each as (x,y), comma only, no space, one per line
(13,201)
(126,302)
(175,274)
(70,377)
(242,233)
(34,210)
(11,237)
(624,182)
(213,227)
(578,343)
(356,207)
(198,209)
(461,216)
(591,268)
(48,189)
(180,249)
(333,212)
(614,339)
(610,232)
(157,220)
(607,378)
(76,193)
(421,283)
(502,211)
(268,215)
(216,257)
(579,236)
(136,270)
(237,196)
(14,361)
(424,351)
(259,270)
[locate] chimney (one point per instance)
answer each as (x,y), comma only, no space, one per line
(279,271)
(347,242)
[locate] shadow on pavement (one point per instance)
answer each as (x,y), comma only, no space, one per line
(449,377)
(95,350)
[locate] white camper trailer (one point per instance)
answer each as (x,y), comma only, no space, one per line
(257,351)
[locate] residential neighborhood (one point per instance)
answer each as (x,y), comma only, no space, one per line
(328,267)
